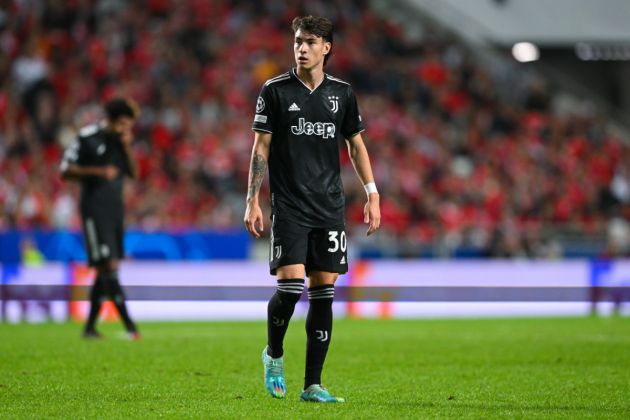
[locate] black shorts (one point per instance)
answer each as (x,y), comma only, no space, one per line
(319,249)
(103,238)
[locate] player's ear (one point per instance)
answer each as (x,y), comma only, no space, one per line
(327,47)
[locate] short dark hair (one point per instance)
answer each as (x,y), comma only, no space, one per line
(318,26)
(121,107)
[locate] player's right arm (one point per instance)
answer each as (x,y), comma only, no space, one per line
(258,167)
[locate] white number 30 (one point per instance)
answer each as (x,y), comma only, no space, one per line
(336,243)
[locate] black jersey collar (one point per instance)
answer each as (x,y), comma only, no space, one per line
(294,74)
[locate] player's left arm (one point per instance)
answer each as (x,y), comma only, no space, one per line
(126,139)
(361,162)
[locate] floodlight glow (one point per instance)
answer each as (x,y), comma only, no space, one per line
(525,52)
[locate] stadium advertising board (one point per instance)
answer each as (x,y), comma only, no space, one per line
(239,290)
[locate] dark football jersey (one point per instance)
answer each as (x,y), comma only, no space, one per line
(306,127)
(96,147)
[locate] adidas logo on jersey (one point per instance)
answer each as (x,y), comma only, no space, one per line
(294,107)
(343,260)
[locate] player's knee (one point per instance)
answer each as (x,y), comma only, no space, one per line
(292,271)
(320,278)
(107,267)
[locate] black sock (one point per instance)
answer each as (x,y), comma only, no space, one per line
(118,297)
(318,331)
(97,295)
(279,311)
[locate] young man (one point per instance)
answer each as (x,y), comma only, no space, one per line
(99,159)
(300,115)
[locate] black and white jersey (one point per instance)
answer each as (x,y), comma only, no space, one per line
(95,146)
(306,127)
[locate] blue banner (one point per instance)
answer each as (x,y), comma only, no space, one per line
(63,245)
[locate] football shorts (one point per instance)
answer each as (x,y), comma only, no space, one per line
(318,249)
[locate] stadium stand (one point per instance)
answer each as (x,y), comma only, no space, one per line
(468,162)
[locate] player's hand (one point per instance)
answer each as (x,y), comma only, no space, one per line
(110,172)
(253,219)
(372,213)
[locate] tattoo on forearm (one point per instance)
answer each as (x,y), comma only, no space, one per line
(256,175)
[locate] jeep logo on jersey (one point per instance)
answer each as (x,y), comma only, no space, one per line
(326,130)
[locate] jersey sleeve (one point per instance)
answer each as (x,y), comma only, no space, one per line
(352,123)
(73,155)
(263,119)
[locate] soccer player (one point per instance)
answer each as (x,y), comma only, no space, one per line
(300,117)
(99,159)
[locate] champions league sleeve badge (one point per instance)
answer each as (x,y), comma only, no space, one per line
(260,105)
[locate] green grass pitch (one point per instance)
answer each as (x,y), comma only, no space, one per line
(496,368)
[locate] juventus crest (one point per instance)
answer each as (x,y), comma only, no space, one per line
(334,102)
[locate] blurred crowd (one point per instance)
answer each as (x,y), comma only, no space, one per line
(464,154)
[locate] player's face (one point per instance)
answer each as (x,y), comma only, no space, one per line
(309,50)
(122,125)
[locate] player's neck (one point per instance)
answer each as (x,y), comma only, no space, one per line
(310,77)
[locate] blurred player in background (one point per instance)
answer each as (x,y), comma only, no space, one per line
(300,117)
(100,159)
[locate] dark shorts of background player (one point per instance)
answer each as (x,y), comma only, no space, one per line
(319,249)
(103,237)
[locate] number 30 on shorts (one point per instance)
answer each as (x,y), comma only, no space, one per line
(337,241)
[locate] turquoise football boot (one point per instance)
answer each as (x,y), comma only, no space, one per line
(317,393)
(274,375)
